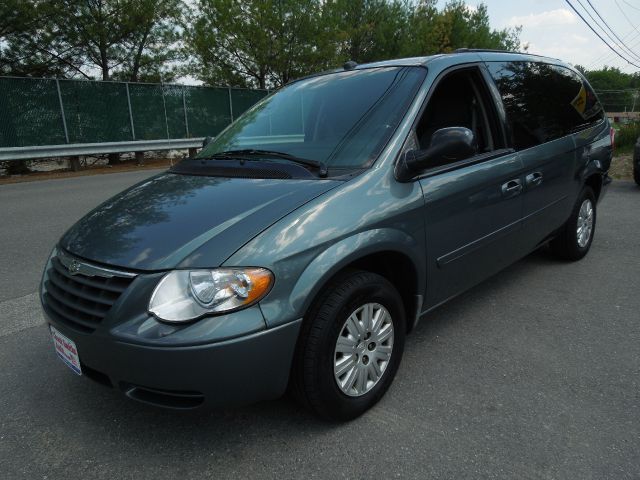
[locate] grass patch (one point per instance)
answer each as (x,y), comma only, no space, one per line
(627,136)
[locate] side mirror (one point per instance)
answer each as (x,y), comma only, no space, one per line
(447,145)
(206,141)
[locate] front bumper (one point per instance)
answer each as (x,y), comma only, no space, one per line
(228,359)
(233,372)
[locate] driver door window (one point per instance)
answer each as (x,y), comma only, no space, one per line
(460,100)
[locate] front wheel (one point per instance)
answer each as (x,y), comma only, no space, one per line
(350,346)
(574,240)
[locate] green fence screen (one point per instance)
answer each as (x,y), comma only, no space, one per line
(38,111)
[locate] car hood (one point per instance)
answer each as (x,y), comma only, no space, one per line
(173,220)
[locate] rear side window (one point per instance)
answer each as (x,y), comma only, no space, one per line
(543,101)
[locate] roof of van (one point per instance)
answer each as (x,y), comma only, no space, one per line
(461,55)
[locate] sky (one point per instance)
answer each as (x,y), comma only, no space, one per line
(552,29)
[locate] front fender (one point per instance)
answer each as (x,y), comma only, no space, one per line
(341,254)
(370,214)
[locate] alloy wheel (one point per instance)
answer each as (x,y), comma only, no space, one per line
(363,349)
(585,223)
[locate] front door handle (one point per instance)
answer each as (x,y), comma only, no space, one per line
(533,179)
(511,188)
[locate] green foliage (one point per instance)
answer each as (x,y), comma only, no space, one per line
(129,39)
(264,43)
(24,49)
(609,78)
(367,30)
(257,43)
(456,26)
(627,135)
(618,91)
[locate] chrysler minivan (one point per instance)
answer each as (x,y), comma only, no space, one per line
(302,244)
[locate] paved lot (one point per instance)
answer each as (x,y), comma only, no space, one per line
(534,374)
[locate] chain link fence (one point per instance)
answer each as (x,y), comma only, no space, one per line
(627,100)
(39,111)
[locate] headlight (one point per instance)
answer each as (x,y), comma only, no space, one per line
(184,295)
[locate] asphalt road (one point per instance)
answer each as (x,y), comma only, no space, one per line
(534,374)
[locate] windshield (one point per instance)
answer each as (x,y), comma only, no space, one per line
(341,119)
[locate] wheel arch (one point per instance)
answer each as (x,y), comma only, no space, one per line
(390,253)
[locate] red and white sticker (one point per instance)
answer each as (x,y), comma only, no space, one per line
(66,350)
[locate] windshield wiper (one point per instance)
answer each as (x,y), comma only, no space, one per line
(320,166)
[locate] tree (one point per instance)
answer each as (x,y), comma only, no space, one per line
(265,43)
(117,38)
(456,26)
(611,78)
(368,30)
(152,45)
(259,43)
(617,90)
(26,49)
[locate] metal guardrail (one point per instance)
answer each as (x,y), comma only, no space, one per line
(71,150)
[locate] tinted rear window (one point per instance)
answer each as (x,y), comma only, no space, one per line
(543,101)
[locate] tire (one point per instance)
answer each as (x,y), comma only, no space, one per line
(317,362)
(636,175)
(569,244)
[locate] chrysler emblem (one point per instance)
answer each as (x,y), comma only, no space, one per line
(74,267)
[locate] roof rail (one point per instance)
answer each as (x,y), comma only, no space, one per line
(493,50)
(463,50)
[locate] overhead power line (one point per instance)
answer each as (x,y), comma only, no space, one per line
(629,37)
(620,42)
(612,36)
(608,56)
(600,36)
(632,6)
(626,18)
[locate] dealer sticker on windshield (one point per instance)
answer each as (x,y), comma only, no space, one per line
(66,350)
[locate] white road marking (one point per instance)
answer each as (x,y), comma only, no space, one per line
(20,313)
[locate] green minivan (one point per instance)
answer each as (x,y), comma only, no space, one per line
(302,244)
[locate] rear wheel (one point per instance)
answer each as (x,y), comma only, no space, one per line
(350,346)
(574,240)
(636,174)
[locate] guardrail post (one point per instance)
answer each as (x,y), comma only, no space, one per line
(133,131)
(74,163)
(64,120)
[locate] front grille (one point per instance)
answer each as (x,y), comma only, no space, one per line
(81,300)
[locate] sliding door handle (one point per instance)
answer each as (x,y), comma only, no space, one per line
(533,179)
(511,188)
